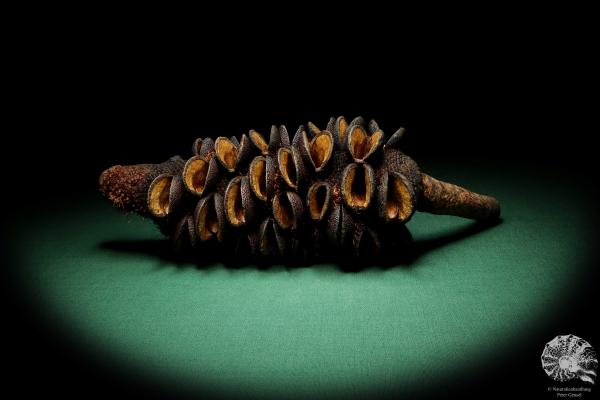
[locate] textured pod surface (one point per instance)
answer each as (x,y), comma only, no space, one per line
(343,190)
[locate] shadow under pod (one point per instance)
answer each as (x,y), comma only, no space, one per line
(402,256)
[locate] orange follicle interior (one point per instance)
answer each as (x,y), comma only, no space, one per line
(259,141)
(283,212)
(258,177)
(159,196)
(342,129)
(317,201)
(287,167)
(398,203)
(320,149)
(362,145)
(208,223)
(195,174)
(233,204)
(227,152)
(357,187)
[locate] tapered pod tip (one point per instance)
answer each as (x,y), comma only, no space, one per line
(441,197)
(125,186)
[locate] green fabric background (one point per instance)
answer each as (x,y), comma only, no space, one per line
(314,330)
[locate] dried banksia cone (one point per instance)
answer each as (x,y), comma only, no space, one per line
(344,188)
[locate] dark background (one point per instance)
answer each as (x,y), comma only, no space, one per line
(93,94)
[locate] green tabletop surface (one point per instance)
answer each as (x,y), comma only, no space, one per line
(105,279)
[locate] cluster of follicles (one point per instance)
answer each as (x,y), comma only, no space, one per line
(343,190)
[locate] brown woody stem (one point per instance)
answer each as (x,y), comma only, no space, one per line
(449,199)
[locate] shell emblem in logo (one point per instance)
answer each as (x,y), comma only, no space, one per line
(570,357)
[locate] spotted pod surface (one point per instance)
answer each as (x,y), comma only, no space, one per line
(346,190)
